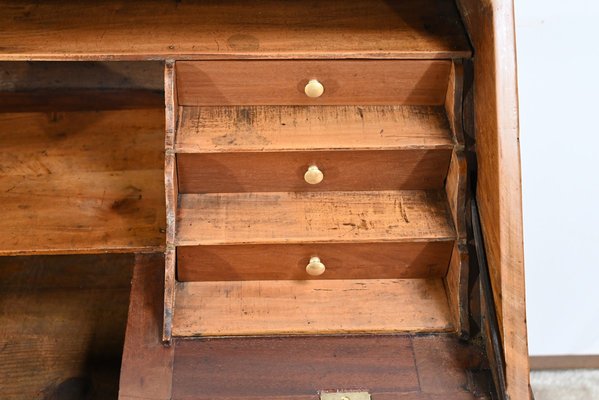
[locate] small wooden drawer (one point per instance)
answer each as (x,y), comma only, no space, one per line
(291,171)
(276,82)
(409,260)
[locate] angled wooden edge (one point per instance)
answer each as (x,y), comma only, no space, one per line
(147,365)
(490,25)
(453,100)
(171,193)
(456,190)
(456,285)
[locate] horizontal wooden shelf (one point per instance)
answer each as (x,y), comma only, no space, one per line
(296,128)
(310,307)
(146,29)
(271,218)
(82,182)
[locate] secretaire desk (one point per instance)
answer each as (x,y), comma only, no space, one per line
(339,212)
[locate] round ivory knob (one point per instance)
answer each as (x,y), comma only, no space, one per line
(315,267)
(313,175)
(314,88)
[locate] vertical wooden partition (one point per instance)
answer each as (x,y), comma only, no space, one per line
(490,24)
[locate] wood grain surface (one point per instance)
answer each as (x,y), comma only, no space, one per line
(346,82)
(284,172)
(295,128)
(310,307)
(152,29)
(62,325)
(499,191)
(288,261)
(147,365)
(82,182)
(336,217)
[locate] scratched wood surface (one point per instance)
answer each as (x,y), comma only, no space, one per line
(311,307)
(82,182)
(499,190)
(288,261)
(62,325)
(265,218)
(294,128)
(152,29)
(282,82)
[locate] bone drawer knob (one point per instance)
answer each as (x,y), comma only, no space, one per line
(313,175)
(314,88)
(315,267)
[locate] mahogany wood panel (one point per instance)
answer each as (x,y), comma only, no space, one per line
(152,29)
(82,182)
(284,171)
(292,366)
(288,261)
(295,128)
(146,371)
(310,307)
(499,193)
(62,325)
(346,82)
(271,218)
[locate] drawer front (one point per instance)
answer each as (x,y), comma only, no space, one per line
(410,260)
(344,82)
(289,171)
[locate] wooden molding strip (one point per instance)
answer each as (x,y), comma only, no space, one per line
(564,362)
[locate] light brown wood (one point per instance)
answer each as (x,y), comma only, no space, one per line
(456,189)
(285,171)
(341,217)
(151,29)
(456,284)
(295,128)
(454,99)
(147,366)
(288,261)
(310,307)
(346,82)
(81,182)
(499,192)
(564,362)
(171,195)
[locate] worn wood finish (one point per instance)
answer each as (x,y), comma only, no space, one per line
(82,182)
(456,284)
(491,27)
(151,29)
(284,172)
(311,307)
(295,128)
(288,261)
(171,187)
(453,101)
(62,325)
(346,82)
(271,218)
(146,371)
